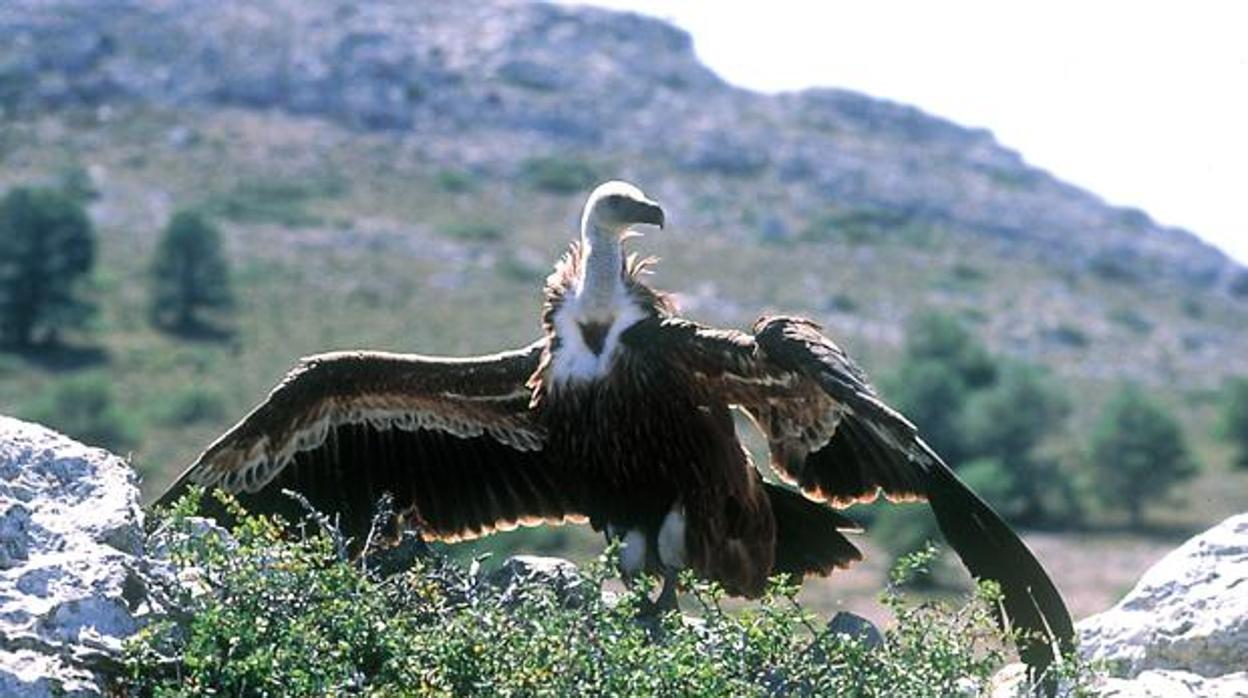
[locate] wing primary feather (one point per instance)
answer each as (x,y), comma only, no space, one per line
(991,550)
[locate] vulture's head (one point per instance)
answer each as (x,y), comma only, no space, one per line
(615,206)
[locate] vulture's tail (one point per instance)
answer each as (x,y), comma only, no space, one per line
(809,535)
(991,550)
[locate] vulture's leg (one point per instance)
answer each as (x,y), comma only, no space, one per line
(667,596)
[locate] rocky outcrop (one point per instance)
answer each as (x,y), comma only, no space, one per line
(1183,630)
(71,538)
(522,77)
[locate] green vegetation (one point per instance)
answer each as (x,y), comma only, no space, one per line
(474,230)
(559,175)
(1138,452)
(189,272)
(280,200)
(190,405)
(990,419)
(1004,427)
(854,226)
(456,181)
(272,614)
(1235,418)
(941,365)
(85,407)
(47,246)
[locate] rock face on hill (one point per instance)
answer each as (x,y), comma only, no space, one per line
(523,76)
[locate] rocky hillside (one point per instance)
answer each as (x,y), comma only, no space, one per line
(398,157)
(483,82)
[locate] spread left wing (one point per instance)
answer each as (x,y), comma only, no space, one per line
(831,435)
(451,439)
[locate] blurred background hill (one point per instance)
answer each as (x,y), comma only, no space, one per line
(401,175)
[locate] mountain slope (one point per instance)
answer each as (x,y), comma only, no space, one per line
(522,73)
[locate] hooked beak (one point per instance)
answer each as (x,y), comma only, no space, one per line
(650,212)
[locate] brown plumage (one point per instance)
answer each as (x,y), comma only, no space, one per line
(622,416)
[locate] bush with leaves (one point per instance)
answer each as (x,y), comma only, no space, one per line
(971,406)
(1007,424)
(189,272)
(1235,418)
(85,408)
(1138,452)
(558,175)
(271,613)
(942,364)
(47,247)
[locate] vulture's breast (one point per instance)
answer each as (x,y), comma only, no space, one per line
(645,436)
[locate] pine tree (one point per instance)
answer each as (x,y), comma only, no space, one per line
(189,272)
(47,246)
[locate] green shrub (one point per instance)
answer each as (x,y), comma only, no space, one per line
(76,183)
(994,482)
(47,247)
(285,615)
(855,226)
(474,230)
(518,269)
(1069,335)
(1133,320)
(190,405)
(274,200)
(905,531)
(1110,266)
(456,181)
(1138,452)
(1008,422)
(1235,418)
(967,273)
(558,175)
(1238,285)
(85,408)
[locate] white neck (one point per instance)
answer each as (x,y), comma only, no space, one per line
(599,296)
(601,285)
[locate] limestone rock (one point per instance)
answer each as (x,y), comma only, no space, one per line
(1181,632)
(556,573)
(1188,613)
(71,532)
(1163,683)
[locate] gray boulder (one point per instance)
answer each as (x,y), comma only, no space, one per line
(1182,631)
(71,537)
(520,571)
(1184,627)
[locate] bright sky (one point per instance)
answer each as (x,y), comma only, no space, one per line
(1144,103)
